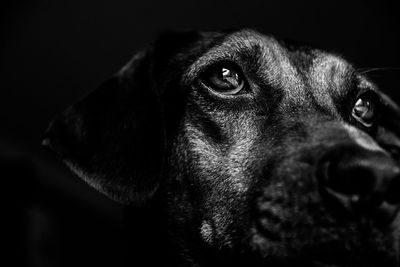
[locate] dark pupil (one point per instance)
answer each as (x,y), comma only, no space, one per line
(230,77)
(363,109)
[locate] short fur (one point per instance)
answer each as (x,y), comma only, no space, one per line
(234,179)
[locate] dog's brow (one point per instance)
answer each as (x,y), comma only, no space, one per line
(242,47)
(255,52)
(328,75)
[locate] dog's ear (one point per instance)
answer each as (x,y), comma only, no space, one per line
(388,135)
(114,137)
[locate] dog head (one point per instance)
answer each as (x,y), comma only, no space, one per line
(264,152)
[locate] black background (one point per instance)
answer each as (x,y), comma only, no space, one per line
(53,52)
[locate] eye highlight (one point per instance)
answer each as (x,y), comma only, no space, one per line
(224,79)
(365,111)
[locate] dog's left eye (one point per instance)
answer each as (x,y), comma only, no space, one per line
(224,79)
(364,111)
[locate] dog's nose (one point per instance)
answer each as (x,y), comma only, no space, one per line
(362,182)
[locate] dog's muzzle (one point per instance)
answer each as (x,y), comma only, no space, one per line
(361,182)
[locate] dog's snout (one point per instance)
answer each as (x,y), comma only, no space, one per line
(366,177)
(362,182)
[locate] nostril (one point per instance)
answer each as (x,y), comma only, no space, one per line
(392,195)
(351,178)
(361,183)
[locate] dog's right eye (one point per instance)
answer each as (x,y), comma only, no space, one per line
(224,79)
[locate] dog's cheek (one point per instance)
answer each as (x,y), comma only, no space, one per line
(221,188)
(218,178)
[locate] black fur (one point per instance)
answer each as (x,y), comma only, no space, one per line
(241,180)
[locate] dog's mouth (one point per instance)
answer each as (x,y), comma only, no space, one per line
(335,255)
(351,246)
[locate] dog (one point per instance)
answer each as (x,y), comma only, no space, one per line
(249,151)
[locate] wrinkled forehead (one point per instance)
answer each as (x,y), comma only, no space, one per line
(297,70)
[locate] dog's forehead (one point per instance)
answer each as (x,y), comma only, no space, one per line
(302,72)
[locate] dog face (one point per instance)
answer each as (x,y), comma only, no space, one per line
(262,152)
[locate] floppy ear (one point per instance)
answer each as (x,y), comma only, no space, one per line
(114,138)
(388,135)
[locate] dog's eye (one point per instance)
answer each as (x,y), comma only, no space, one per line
(225,80)
(364,111)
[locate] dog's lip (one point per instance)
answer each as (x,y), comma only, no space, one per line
(337,255)
(324,264)
(325,260)
(334,254)
(314,262)
(331,255)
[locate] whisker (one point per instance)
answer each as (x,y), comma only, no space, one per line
(368,70)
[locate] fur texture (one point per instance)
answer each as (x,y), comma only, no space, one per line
(236,179)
